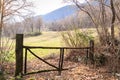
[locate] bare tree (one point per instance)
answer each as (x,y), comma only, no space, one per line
(102,16)
(29,23)
(9,9)
(117,9)
(113,20)
(39,24)
(105,14)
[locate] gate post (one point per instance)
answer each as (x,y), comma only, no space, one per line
(91,54)
(19,54)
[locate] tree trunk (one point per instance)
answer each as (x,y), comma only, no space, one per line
(113,21)
(1,23)
(0,38)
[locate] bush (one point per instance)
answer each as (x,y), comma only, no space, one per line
(51,56)
(100,59)
(76,56)
(76,38)
(33,34)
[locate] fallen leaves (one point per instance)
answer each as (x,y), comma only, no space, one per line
(77,71)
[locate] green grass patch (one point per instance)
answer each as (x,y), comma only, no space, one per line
(47,39)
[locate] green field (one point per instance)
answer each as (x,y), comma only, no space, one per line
(47,39)
(51,39)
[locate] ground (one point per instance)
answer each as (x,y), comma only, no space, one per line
(77,71)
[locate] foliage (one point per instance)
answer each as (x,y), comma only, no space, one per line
(76,56)
(76,38)
(100,59)
(6,52)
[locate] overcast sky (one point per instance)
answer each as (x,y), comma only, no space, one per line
(45,6)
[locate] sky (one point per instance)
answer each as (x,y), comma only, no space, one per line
(42,7)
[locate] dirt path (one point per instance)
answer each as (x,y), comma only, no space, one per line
(77,71)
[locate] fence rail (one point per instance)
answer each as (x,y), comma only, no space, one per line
(36,47)
(22,68)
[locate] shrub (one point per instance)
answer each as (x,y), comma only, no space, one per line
(76,38)
(100,59)
(6,55)
(51,56)
(32,34)
(76,56)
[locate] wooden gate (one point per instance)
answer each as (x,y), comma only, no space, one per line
(21,64)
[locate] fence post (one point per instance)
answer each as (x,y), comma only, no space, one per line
(61,61)
(19,54)
(91,54)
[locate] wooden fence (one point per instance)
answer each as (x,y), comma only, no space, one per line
(21,62)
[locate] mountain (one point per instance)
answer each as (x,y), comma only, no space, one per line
(60,13)
(65,11)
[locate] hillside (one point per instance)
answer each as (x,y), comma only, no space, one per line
(59,14)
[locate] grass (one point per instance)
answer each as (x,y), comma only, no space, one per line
(47,39)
